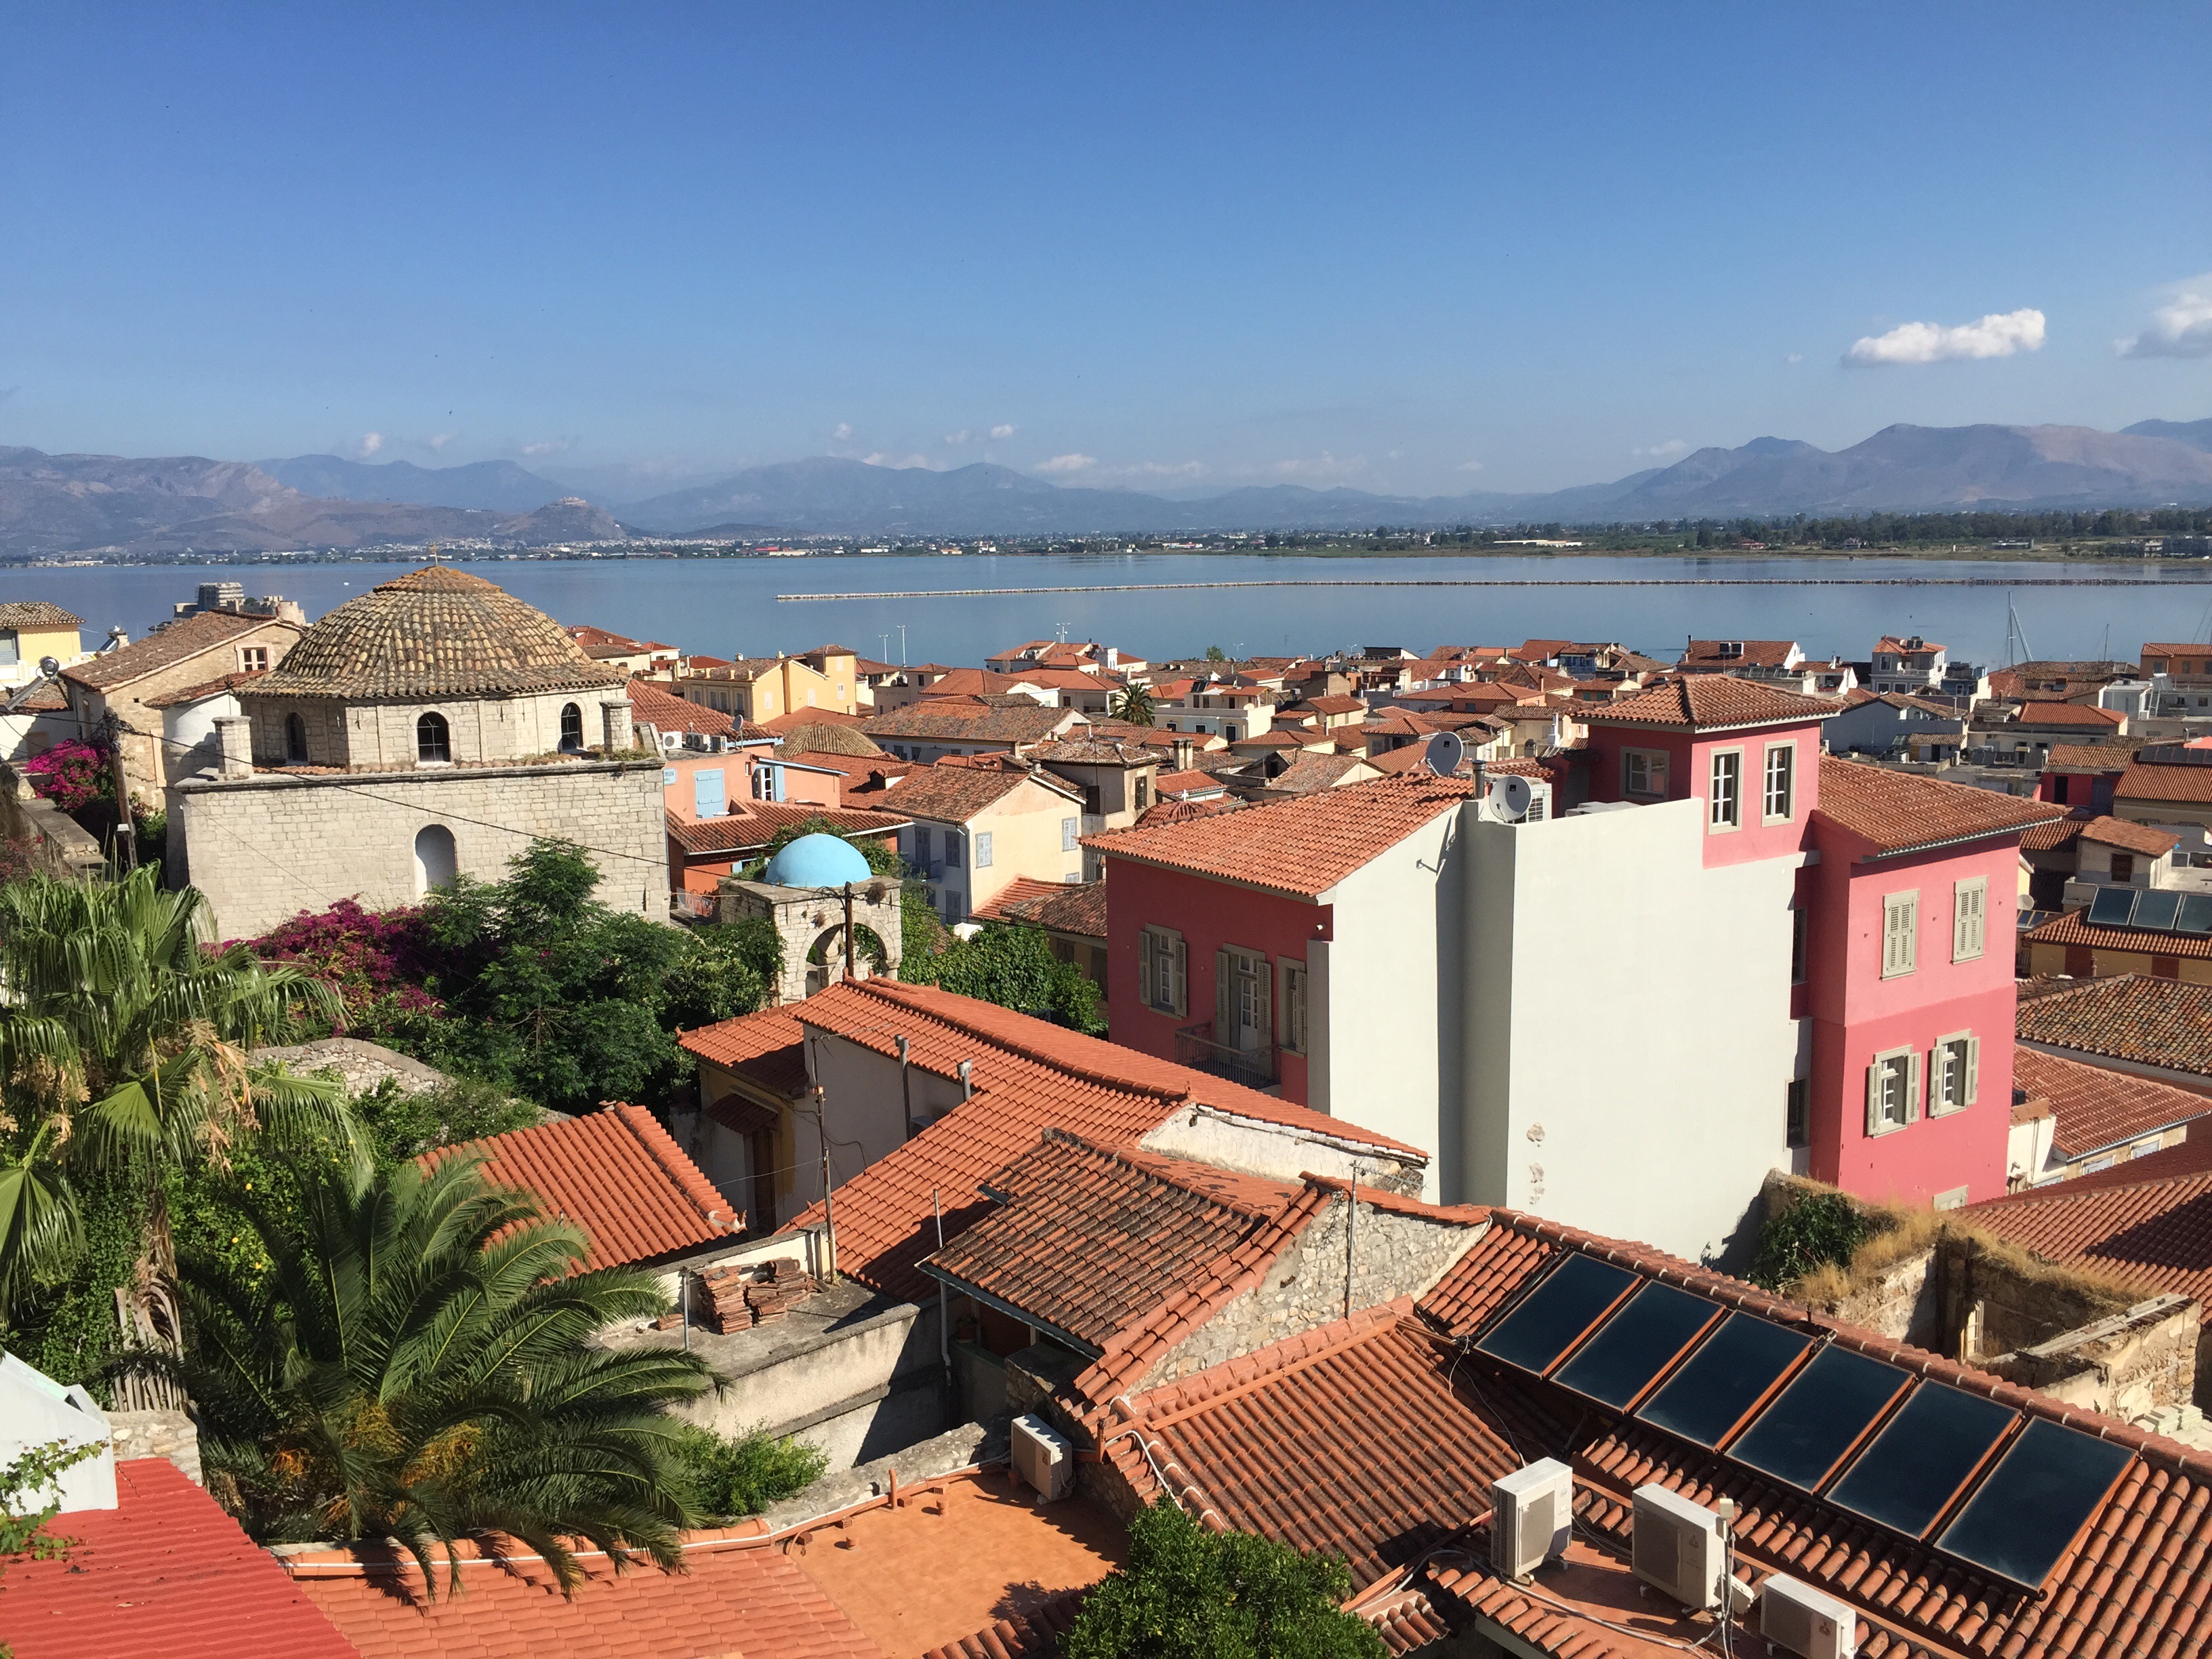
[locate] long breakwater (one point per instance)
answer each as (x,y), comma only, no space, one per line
(1524,581)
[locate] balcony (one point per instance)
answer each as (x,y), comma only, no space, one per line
(1195,1047)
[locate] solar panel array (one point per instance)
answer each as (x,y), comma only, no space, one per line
(2006,1493)
(2153,911)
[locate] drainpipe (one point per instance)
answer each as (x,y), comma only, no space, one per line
(906,1097)
(1351,1233)
(944,1309)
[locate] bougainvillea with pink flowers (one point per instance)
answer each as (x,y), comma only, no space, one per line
(377,959)
(71,774)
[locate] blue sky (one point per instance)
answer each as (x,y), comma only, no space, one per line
(1409,248)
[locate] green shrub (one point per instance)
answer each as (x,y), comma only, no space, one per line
(732,1477)
(1823,1230)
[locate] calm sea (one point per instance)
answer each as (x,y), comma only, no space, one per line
(730,607)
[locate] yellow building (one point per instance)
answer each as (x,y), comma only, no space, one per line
(762,688)
(31,629)
(978,822)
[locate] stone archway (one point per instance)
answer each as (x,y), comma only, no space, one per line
(812,924)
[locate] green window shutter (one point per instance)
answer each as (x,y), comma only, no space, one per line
(1874,1098)
(1148,944)
(1224,1005)
(1973,1068)
(1912,1088)
(1180,967)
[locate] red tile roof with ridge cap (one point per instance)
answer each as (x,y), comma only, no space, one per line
(166,1572)
(1710,702)
(1902,813)
(169,644)
(2096,1107)
(1302,846)
(2135,1018)
(2066,713)
(2074,927)
(2143,780)
(617,1173)
(650,705)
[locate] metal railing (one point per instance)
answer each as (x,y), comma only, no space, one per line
(1195,1047)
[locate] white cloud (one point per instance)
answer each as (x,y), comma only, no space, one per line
(1003,431)
(1468,466)
(1170,469)
(959,437)
(437,440)
(1662,451)
(1068,464)
(2000,334)
(1323,465)
(2182,327)
(842,431)
(370,443)
(549,447)
(1795,357)
(881,458)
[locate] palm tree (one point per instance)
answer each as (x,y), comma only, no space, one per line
(124,1047)
(1132,703)
(414,1365)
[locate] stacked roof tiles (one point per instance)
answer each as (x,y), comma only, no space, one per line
(1710,703)
(753,823)
(1897,812)
(2096,1108)
(2133,1018)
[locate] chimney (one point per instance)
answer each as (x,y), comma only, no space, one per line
(234,737)
(614,716)
(1185,752)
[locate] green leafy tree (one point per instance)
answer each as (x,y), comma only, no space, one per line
(1215,653)
(745,1474)
(1826,1229)
(124,1042)
(1132,703)
(417,1363)
(1015,967)
(1188,1593)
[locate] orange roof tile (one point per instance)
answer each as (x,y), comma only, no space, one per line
(1304,846)
(2144,781)
(949,793)
(1902,813)
(2052,834)
(1020,888)
(2134,1018)
(2073,927)
(2066,713)
(617,1173)
(1753,653)
(2134,837)
(767,1049)
(1710,702)
(2146,1222)
(165,1572)
(2096,1107)
(734,1601)
(751,824)
(663,710)
(2088,757)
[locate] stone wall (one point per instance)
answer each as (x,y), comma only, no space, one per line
(2127,1365)
(158,1434)
(360,1065)
(373,736)
(262,848)
(1392,1254)
(812,924)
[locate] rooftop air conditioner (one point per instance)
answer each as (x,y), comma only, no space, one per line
(1509,797)
(1042,1456)
(1532,1517)
(1678,1547)
(1804,1621)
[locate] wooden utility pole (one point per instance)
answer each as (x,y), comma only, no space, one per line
(126,833)
(848,930)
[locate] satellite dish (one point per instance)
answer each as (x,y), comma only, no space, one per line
(1508,796)
(1445,753)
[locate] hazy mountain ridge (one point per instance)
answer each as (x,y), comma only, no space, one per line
(496,486)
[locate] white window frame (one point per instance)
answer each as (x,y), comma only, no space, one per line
(1949,1092)
(1970,919)
(1294,1013)
(1715,824)
(1069,828)
(1654,763)
(1906,901)
(979,845)
(1787,753)
(1163,971)
(1903,1064)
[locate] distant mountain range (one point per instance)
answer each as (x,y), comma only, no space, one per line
(53,504)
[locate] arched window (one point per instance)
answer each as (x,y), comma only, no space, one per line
(295,739)
(572,728)
(435,863)
(431,741)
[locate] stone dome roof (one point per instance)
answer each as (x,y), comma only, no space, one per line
(816,860)
(434,633)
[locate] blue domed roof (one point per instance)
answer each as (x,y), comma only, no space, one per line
(816,860)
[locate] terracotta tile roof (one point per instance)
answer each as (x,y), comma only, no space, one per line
(2052,834)
(2088,757)
(164,1572)
(2066,713)
(48,699)
(828,737)
(754,823)
(1902,813)
(765,1048)
(166,647)
(1076,907)
(650,705)
(1755,653)
(970,683)
(1334,705)
(1027,1076)
(1303,846)
(436,632)
(617,1173)
(2166,1023)
(1089,1239)
(1710,703)
(1177,783)
(2142,781)
(1032,1635)
(214,687)
(1019,889)
(599,642)
(1897,643)
(2072,928)
(2146,1222)
(969,722)
(954,794)
(731,1602)
(36,614)
(2133,838)
(1091,751)
(786,724)
(2097,1108)
(1185,811)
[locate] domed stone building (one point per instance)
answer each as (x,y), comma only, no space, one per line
(430,728)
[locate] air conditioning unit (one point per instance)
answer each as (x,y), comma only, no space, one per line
(1806,1621)
(1532,1517)
(1678,1547)
(1042,1456)
(1508,798)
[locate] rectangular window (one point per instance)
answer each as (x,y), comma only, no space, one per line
(1068,827)
(1642,772)
(982,844)
(1724,806)
(10,651)
(1144,792)
(1954,1072)
(1781,782)
(1970,905)
(252,659)
(1294,1006)
(1892,1090)
(1900,933)
(1162,980)
(1797,926)
(2123,868)
(1796,1130)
